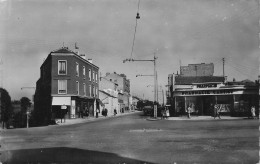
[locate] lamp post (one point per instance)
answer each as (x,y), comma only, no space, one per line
(155,80)
(28,112)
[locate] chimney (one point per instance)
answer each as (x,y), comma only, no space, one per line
(76,49)
(90,60)
(83,56)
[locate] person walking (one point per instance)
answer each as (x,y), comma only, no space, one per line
(189,111)
(167,113)
(162,113)
(253,112)
(115,112)
(216,111)
(105,112)
(97,111)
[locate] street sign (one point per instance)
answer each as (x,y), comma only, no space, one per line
(63,107)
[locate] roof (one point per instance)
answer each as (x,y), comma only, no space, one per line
(107,94)
(182,80)
(66,50)
(63,50)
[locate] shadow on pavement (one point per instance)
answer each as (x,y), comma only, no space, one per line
(59,155)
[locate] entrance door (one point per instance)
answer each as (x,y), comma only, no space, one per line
(207,105)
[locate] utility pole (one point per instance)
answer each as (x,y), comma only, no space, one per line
(223,59)
(155,80)
(1,73)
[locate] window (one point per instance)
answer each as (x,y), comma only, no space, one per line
(96,92)
(90,90)
(77,87)
(89,74)
(96,78)
(84,71)
(93,91)
(77,69)
(93,76)
(84,89)
(62,86)
(62,67)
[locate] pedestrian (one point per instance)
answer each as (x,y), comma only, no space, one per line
(115,112)
(86,112)
(253,112)
(167,113)
(216,111)
(189,111)
(162,113)
(97,111)
(105,112)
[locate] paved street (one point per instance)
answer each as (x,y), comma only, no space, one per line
(134,139)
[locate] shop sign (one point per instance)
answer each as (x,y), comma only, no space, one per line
(206,85)
(207,92)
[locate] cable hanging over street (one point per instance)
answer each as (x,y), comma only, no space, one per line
(137,17)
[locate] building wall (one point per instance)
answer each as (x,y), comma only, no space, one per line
(123,83)
(106,84)
(110,100)
(197,70)
(71,75)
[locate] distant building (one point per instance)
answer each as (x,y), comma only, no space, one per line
(124,96)
(108,94)
(202,92)
(197,70)
(135,99)
(68,86)
(121,80)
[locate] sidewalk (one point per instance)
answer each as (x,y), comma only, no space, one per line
(205,118)
(197,118)
(89,119)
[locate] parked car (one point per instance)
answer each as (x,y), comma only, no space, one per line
(10,124)
(148,110)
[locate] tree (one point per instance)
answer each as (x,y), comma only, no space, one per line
(25,104)
(21,117)
(5,106)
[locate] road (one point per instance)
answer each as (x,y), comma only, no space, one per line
(134,139)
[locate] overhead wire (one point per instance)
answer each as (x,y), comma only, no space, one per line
(135,30)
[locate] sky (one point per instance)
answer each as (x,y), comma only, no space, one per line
(179,32)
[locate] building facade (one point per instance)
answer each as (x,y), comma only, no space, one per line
(201,93)
(124,96)
(197,70)
(108,95)
(68,85)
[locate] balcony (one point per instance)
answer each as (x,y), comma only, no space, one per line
(62,72)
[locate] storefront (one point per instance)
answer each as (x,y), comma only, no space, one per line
(73,107)
(232,100)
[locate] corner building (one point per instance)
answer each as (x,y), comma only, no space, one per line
(202,92)
(68,85)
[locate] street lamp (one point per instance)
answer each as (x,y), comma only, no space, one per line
(155,79)
(28,112)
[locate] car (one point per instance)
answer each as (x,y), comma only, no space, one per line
(148,110)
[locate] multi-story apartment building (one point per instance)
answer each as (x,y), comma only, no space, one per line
(68,85)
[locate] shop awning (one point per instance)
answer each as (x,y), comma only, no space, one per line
(61,100)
